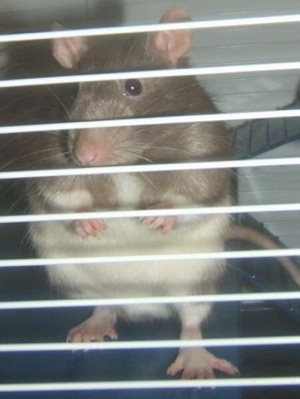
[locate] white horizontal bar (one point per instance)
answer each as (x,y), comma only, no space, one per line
(157,344)
(200,71)
(265,253)
(150,212)
(161,120)
(46,304)
(222,23)
(245,163)
(157,384)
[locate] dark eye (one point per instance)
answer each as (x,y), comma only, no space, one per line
(132,87)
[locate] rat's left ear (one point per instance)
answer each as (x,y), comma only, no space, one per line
(67,50)
(173,44)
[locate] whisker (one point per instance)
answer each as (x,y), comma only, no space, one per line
(60,101)
(146,177)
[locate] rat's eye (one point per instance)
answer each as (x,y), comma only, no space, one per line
(132,87)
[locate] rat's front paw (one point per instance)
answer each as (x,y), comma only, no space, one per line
(89,227)
(164,223)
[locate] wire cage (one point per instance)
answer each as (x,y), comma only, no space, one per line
(258,322)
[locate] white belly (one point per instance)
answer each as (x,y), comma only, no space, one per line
(130,279)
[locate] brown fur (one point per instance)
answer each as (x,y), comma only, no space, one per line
(135,145)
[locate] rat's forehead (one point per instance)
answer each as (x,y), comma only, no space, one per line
(115,53)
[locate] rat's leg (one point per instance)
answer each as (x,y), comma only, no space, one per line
(164,223)
(100,325)
(196,362)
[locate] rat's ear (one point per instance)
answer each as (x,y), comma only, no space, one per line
(173,44)
(67,50)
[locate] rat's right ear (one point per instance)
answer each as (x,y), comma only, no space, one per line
(173,44)
(67,50)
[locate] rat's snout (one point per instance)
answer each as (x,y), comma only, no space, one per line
(89,148)
(103,147)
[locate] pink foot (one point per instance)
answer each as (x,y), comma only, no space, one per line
(164,223)
(200,364)
(95,328)
(89,227)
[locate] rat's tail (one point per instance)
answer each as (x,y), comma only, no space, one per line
(237,232)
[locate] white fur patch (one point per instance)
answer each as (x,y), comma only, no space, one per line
(128,189)
(74,199)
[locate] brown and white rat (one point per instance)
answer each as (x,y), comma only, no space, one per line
(135,145)
(130,145)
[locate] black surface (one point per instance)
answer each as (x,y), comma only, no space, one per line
(267,318)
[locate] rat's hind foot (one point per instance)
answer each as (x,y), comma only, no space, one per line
(100,325)
(200,364)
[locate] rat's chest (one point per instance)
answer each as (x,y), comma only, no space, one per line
(128,190)
(121,191)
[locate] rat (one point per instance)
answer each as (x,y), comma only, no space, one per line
(133,145)
(156,190)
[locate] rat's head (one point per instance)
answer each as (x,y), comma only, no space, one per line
(122,98)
